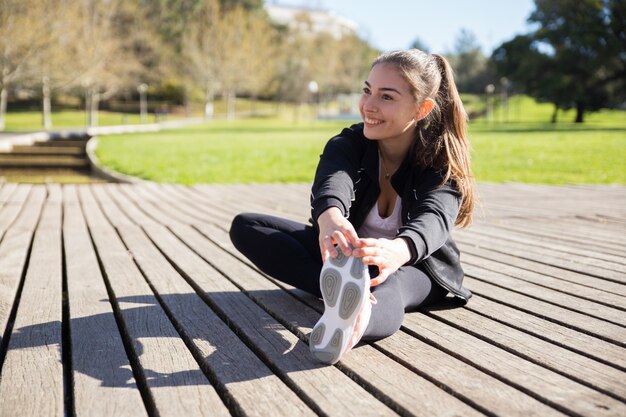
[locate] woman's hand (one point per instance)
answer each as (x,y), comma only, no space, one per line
(387,255)
(335,230)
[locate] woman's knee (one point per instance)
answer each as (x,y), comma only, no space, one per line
(240,228)
(386,319)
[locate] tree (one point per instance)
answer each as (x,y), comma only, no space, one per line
(20,43)
(470,64)
(104,64)
(575,59)
(418,43)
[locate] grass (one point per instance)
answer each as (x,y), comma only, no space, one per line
(245,151)
(19,121)
(275,151)
(30,120)
(526,149)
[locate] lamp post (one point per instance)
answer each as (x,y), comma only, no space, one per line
(143,102)
(314,90)
(490,90)
(505,83)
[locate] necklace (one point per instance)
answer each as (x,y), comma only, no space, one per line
(387,174)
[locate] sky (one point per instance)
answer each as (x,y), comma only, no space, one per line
(394,24)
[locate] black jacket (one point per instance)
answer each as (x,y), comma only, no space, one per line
(347,178)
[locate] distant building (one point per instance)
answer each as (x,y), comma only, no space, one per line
(309,19)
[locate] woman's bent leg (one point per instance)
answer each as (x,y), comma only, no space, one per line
(405,290)
(282,248)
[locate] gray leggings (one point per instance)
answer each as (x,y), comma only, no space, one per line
(289,251)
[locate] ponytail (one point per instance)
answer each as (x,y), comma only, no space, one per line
(441,140)
(453,120)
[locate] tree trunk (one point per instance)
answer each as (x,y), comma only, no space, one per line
(555,113)
(93,108)
(208,101)
(47,106)
(580,111)
(87,106)
(231,95)
(3,106)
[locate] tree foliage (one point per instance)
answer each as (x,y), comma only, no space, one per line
(187,49)
(576,58)
(471,66)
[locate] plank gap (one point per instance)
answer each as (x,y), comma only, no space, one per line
(66,337)
(547,301)
(561,291)
(596,358)
(491,373)
(232,326)
(521,355)
(4,343)
(140,378)
(569,326)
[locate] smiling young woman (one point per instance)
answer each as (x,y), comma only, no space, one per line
(386,194)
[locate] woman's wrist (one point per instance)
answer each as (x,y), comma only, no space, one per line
(403,247)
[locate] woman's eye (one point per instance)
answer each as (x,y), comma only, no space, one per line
(366,90)
(387,97)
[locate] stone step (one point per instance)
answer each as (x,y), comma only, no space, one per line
(47,150)
(47,175)
(41,161)
(63,142)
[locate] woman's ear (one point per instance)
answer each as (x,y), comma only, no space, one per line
(425,108)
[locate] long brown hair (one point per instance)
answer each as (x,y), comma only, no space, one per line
(441,140)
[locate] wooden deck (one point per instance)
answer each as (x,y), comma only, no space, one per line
(130,300)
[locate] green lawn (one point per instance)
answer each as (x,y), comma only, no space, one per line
(31,120)
(527,149)
(276,151)
(253,150)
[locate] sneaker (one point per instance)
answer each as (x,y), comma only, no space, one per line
(345,286)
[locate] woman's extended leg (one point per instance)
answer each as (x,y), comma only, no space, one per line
(405,290)
(282,248)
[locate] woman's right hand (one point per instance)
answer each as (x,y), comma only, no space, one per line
(335,230)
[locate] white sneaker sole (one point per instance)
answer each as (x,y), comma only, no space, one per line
(345,283)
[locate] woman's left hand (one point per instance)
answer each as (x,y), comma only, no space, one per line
(387,255)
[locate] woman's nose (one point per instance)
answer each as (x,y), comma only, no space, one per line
(369,104)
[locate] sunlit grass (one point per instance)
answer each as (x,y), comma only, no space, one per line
(274,150)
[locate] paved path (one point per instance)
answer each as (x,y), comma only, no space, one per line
(130,300)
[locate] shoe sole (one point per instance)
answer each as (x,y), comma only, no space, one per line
(343,282)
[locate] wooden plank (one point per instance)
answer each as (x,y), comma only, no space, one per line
(587,251)
(33,359)
(405,384)
(584,370)
(196,203)
(545,385)
(227,200)
(328,389)
(572,228)
(173,382)
(595,267)
(473,264)
(590,325)
(251,386)
(546,270)
(574,304)
(14,252)
(5,192)
(14,202)
(542,235)
(593,347)
(107,381)
(337,400)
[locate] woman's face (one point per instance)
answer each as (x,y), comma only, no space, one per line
(387,106)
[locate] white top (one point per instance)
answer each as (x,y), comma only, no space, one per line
(382,227)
